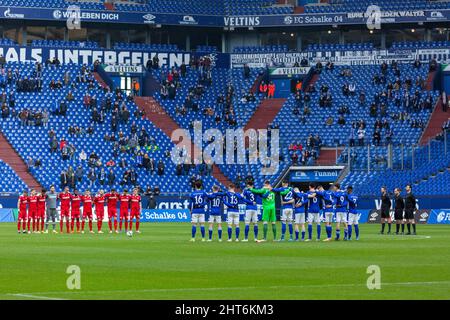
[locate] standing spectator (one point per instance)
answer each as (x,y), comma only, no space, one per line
(161,168)
(79,173)
(361,135)
(111,177)
(246,71)
(64,179)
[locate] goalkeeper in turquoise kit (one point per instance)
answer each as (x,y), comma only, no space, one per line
(269,211)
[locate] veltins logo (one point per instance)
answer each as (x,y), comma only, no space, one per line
(288,20)
(57,14)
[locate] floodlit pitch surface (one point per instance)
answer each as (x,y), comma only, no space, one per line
(161,263)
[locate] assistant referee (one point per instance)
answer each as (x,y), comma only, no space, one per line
(410,208)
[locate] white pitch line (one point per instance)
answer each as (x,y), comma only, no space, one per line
(230,288)
(33,296)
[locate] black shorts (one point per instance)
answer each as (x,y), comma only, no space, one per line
(385,213)
(398,215)
(409,214)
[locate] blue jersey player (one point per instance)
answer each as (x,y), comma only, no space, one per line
(299,210)
(341,210)
(215,212)
(232,200)
(313,211)
(353,216)
(328,205)
(251,212)
(198,202)
(287,209)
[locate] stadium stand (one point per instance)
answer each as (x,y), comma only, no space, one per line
(80,132)
(63,44)
(361,6)
(146,47)
(10,180)
(232,7)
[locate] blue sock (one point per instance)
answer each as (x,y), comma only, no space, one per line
(318,231)
(210,232)
(345,233)
(255,231)
(220,233)
(357,230)
(310,231)
(291,229)
(194,231)
(296,234)
(238,230)
(230,231)
(328,230)
(303,235)
(246,230)
(349,231)
(283,230)
(202,230)
(338,234)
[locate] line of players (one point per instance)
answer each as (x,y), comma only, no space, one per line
(298,208)
(35,210)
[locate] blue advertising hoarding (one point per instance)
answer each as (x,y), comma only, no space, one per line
(439,216)
(80,55)
(242,21)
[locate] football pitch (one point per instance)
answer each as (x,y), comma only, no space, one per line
(161,263)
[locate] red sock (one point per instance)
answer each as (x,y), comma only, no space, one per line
(18,225)
(42,225)
(90,225)
(126,225)
(120,225)
(115,225)
(24,225)
(37,224)
(130,225)
(82,225)
(78,225)
(110,225)
(137,225)
(61,224)
(33,226)
(71,225)
(99,225)
(68,226)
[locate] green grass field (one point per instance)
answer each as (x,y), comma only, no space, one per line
(161,263)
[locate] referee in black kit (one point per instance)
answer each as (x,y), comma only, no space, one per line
(410,208)
(385,210)
(399,207)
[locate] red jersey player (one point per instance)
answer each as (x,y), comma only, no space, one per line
(87,210)
(22,206)
(32,210)
(124,209)
(41,210)
(75,210)
(136,208)
(65,198)
(112,199)
(99,201)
